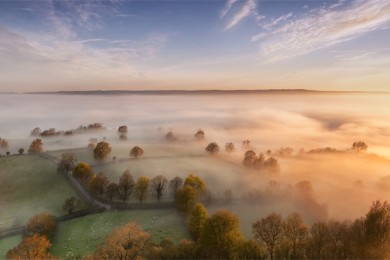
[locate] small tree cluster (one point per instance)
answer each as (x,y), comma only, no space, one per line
(359,146)
(170,136)
(251,160)
(193,190)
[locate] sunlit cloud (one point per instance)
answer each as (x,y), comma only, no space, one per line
(325,27)
(245,11)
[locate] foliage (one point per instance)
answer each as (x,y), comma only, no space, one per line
(102,150)
(36,146)
(141,188)
(359,146)
(136,151)
(212,148)
(41,224)
(98,183)
(33,247)
(185,198)
(158,185)
(221,235)
(229,147)
(82,170)
(122,129)
(111,191)
(128,242)
(125,186)
(70,204)
(196,183)
(199,135)
(67,162)
(170,136)
(175,184)
(196,220)
(249,158)
(269,230)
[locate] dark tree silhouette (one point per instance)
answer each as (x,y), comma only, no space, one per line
(212,148)
(136,152)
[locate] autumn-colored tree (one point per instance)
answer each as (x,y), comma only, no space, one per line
(82,170)
(185,198)
(141,188)
(212,148)
(111,191)
(128,242)
(70,204)
(199,135)
(196,220)
(175,184)
(41,224)
(269,230)
(102,150)
(249,249)
(36,146)
(229,147)
(98,183)
(125,186)
(196,183)
(296,234)
(221,235)
(67,162)
(32,247)
(136,151)
(157,186)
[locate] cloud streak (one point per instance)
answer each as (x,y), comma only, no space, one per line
(246,10)
(325,27)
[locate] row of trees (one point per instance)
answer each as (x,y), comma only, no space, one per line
(258,162)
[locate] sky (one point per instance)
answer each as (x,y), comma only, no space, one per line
(51,45)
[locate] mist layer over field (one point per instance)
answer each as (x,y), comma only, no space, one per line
(319,186)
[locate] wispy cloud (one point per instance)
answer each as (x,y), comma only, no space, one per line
(246,9)
(270,25)
(227,7)
(325,27)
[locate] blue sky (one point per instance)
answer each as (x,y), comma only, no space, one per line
(48,45)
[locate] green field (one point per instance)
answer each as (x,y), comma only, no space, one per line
(8,243)
(29,185)
(81,236)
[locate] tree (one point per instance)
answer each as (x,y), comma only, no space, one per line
(158,185)
(123,137)
(128,242)
(67,162)
(359,146)
(111,191)
(175,184)
(319,238)
(122,129)
(249,249)
(185,198)
(246,144)
(258,163)
(125,186)
(221,235)
(199,135)
(269,230)
(196,183)
(102,150)
(295,232)
(98,183)
(141,188)
(212,148)
(36,131)
(42,224)
(197,219)
(271,164)
(136,151)
(21,151)
(33,247)
(338,233)
(229,147)
(36,146)
(82,170)
(70,204)
(249,158)
(170,136)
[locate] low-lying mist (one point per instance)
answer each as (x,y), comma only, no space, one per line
(320,186)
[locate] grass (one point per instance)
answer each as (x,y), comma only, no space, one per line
(30,185)
(8,243)
(80,237)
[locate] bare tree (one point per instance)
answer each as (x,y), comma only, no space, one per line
(158,185)
(67,162)
(175,184)
(125,186)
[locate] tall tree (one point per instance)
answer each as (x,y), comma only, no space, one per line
(295,232)
(128,242)
(141,188)
(125,186)
(175,184)
(185,198)
(158,185)
(221,235)
(269,230)
(82,170)
(111,191)
(102,150)
(70,204)
(41,224)
(197,219)
(98,183)
(32,247)
(319,238)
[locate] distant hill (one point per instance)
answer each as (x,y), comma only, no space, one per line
(201,92)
